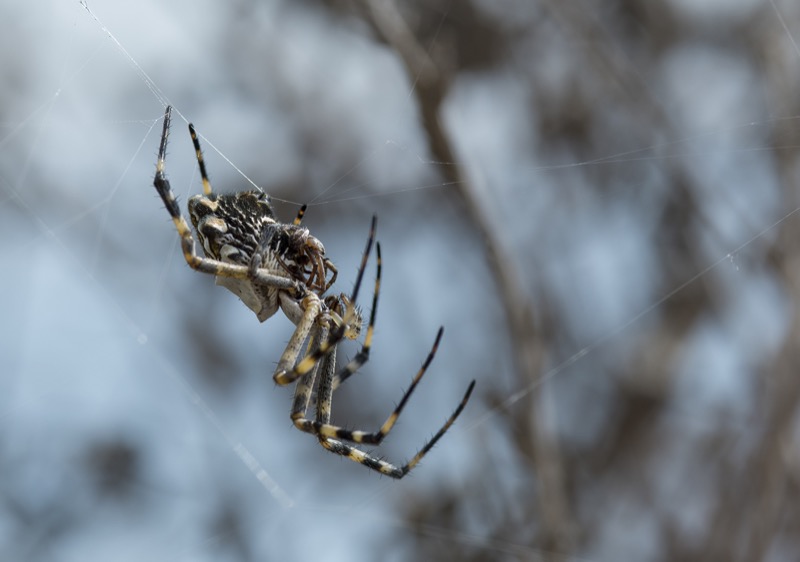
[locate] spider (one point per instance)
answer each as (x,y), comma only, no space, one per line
(269,266)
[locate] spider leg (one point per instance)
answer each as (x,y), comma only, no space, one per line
(387,468)
(301,212)
(324,429)
(163,188)
(325,387)
(327,369)
(195,261)
(331,436)
(201,162)
(311,306)
(363,354)
(305,384)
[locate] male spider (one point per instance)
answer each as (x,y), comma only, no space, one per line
(270,265)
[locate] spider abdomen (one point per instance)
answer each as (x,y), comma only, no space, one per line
(230,226)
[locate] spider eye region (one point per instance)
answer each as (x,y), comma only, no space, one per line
(295,251)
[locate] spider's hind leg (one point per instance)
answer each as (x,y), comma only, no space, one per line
(363,354)
(379,465)
(325,429)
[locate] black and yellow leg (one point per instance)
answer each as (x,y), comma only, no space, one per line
(387,468)
(164,190)
(305,384)
(363,354)
(301,212)
(284,373)
(201,162)
(371,438)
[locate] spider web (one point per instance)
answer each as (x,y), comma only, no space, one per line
(141,419)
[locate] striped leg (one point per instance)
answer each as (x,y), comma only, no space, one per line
(301,212)
(389,469)
(363,354)
(305,384)
(325,387)
(195,261)
(325,429)
(324,403)
(311,306)
(331,436)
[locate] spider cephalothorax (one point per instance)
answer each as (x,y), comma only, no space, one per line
(301,255)
(272,265)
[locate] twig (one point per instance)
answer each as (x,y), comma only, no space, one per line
(430,89)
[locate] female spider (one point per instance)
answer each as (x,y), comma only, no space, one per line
(270,266)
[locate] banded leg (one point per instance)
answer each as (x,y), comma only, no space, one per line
(301,212)
(201,162)
(370,438)
(324,393)
(302,393)
(387,468)
(305,384)
(195,261)
(284,374)
(327,368)
(325,431)
(363,354)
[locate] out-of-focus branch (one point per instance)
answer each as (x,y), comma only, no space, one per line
(430,88)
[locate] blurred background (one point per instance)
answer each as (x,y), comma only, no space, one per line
(597,200)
